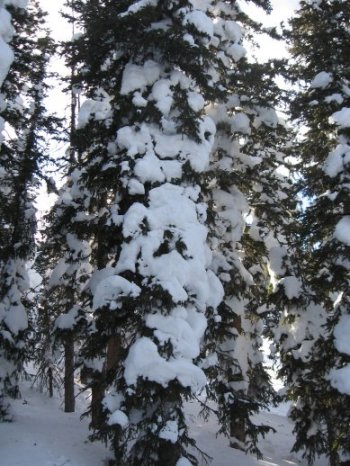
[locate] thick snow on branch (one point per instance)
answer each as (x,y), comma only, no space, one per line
(321,80)
(6,53)
(341,118)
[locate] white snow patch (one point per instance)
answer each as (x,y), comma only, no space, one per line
(340,379)
(277,256)
(57,273)
(17,3)
(6,53)
(137,77)
(138,100)
(183,462)
(236,51)
(342,334)
(180,276)
(292,286)
(338,98)
(6,28)
(200,21)
(163,95)
(341,118)
(16,316)
(196,101)
(342,230)
(136,7)
(97,109)
(241,123)
(170,432)
(110,289)
(183,327)
(336,160)
(98,276)
(67,321)
(46,433)
(321,80)
(134,140)
(96,364)
(135,187)
(119,418)
(112,401)
(306,327)
(144,361)
(268,116)
(43,435)
(149,169)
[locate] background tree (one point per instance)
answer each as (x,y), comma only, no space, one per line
(315,358)
(253,196)
(64,263)
(22,151)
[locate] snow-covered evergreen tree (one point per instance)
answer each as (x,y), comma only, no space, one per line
(252,196)
(145,145)
(63,261)
(315,349)
(22,150)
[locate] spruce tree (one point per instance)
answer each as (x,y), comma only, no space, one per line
(252,194)
(145,143)
(64,263)
(22,151)
(253,197)
(315,354)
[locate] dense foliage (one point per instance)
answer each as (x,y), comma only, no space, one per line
(192,222)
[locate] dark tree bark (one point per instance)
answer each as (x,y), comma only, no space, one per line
(69,397)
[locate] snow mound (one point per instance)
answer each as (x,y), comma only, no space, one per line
(336,160)
(321,80)
(145,361)
(111,289)
(342,230)
(340,379)
(341,118)
(341,335)
(6,53)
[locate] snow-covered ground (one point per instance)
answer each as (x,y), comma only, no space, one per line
(43,435)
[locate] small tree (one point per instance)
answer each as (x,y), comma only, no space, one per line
(63,261)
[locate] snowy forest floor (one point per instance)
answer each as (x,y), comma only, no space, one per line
(43,435)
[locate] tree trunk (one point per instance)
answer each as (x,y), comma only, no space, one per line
(50,378)
(169,453)
(113,353)
(237,432)
(237,426)
(98,385)
(69,398)
(97,394)
(332,452)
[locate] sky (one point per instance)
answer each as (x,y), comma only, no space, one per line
(282,11)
